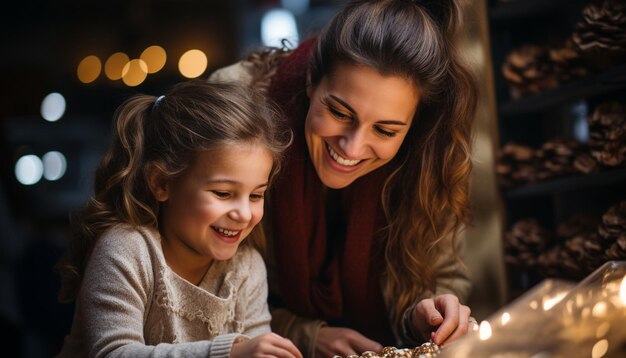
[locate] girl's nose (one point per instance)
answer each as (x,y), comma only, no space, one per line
(241,211)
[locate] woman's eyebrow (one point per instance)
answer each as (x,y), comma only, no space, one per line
(400,123)
(342,103)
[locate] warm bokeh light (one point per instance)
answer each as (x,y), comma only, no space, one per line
(89,69)
(54,165)
(622,291)
(600,348)
(135,72)
(506,317)
(53,107)
(603,329)
(192,63)
(484,332)
(599,310)
(115,64)
(549,302)
(154,57)
(28,169)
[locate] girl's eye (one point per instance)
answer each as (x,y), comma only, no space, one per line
(221,194)
(256,197)
(384,132)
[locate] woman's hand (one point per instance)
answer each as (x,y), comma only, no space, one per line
(342,341)
(266,345)
(442,319)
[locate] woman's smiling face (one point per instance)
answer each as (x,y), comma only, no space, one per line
(357,121)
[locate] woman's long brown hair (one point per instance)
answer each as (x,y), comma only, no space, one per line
(426,198)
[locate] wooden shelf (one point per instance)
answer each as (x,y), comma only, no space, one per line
(603,178)
(602,83)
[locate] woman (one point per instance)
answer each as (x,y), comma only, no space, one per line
(364,220)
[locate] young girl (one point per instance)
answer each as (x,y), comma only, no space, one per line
(160,265)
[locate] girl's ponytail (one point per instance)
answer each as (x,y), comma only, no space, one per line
(120,193)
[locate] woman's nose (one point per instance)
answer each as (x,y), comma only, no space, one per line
(354,144)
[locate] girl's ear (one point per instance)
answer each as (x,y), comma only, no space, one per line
(159,185)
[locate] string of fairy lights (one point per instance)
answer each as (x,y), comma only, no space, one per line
(132,72)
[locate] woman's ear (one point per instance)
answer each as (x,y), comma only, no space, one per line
(159,185)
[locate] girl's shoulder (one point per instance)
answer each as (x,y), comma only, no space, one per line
(124,242)
(248,258)
(128,236)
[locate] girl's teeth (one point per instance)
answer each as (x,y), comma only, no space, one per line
(227,232)
(340,160)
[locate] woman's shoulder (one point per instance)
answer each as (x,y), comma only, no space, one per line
(239,72)
(257,70)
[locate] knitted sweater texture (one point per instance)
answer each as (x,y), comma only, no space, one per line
(132,304)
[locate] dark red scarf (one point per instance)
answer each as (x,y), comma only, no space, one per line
(346,287)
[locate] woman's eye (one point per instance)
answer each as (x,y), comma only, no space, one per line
(384,132)
(338,114)
(221,194)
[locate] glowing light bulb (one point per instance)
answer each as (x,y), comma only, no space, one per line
(114,66)
(54,165)
(622,291)
(89,69)
(192,63)
(552,301)
(134,73)
(600,348)
(506,317)
(155,57)
(603,329)
(484,331)
(599,310)
(53,107)
(279,24)
(28,169)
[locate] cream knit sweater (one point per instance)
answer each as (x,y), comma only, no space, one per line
(131,304)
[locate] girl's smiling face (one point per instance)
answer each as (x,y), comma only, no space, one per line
(357,121)
(207,212)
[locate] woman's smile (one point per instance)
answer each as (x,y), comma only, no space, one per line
(341,163)
(356,122)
